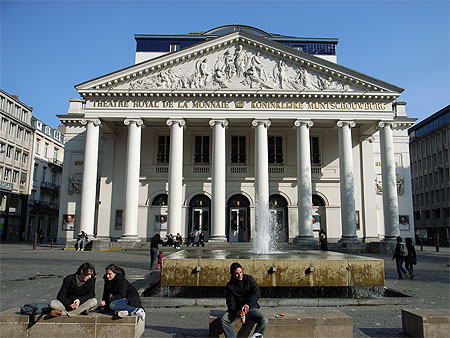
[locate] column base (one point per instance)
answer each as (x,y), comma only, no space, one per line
(349,239)
(102,238)
(390,239)
(217,239)
(306,242)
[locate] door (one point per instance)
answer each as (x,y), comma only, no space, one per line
(200,221)
(238,228)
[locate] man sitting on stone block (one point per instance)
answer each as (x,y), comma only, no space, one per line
(77,293)
(242,294)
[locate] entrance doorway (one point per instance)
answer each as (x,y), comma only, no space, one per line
(319,213)
(238,229)
(200,211)
(278,208)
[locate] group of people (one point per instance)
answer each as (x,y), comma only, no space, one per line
(405,253)
(196,239)
(77,294)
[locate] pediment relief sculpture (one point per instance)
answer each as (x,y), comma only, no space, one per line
(238,68)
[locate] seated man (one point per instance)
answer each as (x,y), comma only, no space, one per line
(242,294)
(77,293)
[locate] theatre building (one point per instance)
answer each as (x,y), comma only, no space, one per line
(207,125)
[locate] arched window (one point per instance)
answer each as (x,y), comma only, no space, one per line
(160,200)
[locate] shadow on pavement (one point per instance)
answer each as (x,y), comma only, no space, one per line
(383,332)
(176,331)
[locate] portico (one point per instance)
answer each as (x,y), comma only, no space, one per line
(183,126)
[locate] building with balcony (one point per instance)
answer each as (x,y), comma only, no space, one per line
(48,155)
(429,147)
(16,143)
(205,126)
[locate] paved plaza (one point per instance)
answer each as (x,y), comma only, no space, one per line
(31,276)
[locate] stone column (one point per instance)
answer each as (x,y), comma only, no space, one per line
(389,181)
(133,164)
(261,163)
(347,186)
(105,210)
(218,181)
(175,176)
(304,184)
(88,194)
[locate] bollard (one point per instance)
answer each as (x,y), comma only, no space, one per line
(437,243)
(421,244)
(51,245)
(35,241)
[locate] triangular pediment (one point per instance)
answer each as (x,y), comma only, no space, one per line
(236,63)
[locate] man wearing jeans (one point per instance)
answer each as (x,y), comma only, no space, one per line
(77,293)
(242,294)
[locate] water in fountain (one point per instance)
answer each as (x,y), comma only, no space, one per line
(265,239)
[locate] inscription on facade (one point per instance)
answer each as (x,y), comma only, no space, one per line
(252,105)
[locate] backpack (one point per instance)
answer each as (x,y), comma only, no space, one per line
(34,309)
(403,250)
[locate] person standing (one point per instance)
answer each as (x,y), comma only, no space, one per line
(242,294)
(119,295)
(77,293)
(155,241)
(400,253)
(411,259)
(323,240)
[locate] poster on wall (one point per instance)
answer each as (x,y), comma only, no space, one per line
(161,222)
(68,222)
(403,222)
(316,222)
(119,217)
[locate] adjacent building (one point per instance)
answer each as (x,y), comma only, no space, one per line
(16,144)
(429,147)
(45,185)
(206,127)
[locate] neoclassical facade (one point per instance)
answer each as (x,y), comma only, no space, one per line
(195,138)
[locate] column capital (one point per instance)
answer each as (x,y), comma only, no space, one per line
(307,123)
(257,122)
(383,124)
(180,122)
(138,122)
(94,121)
(341,124)
(223,123)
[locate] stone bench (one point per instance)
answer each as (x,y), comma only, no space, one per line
(319,322)
(426,322)
(13,324)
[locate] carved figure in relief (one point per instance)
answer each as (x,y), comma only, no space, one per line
(279,73)
(378,186)
(253,79)
(330,84)
(240,61)
(74,186)
(230,69)
(259,66)
(400,185)
(220,76)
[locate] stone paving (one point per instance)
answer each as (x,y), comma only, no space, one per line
(28,276)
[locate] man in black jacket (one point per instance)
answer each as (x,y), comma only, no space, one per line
(77,293)
(242,294)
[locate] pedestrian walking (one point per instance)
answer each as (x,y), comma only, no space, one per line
(323,240)
(400,253)
(411,259)
(154,242)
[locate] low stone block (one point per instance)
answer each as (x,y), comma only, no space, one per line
(96,325)
(426,322)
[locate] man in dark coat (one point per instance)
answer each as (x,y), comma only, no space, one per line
(242,294)
(77,293)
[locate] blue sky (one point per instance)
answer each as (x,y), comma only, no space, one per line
(47,47)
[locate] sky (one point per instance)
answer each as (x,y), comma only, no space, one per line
(48,47)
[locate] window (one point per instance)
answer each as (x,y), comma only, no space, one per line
(275,144)
(36,166)
(4,124)
(238,154)
(163,149)
(24,116)
(38,145)
(15,176)
(47,130)
(19,133)
(174,47)
(2,148)
(17,155)
(12,127)
(27,136)
(45,150)
(44,172)
(201,152)
(53,179)
(8,151)
(23,178)
(55,153)
(24,158)
(315,151)
(7,175)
